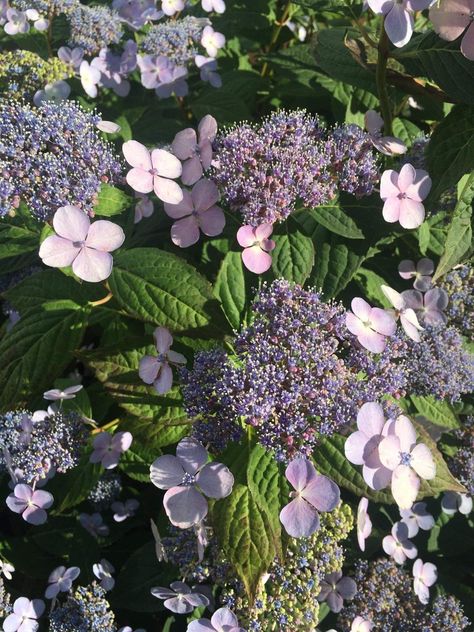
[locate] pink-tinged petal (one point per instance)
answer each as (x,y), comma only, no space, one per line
(192,171)
(140,180)
(263,231)
(13,621)
(370,418)
(449,24)
(389,544)
(406,177)
(467,44)
(167,190)
(322,493)
(246,236)
(185,232)
(382,321)
(215,480)
(391,210)
(256,260)
(23,492)
(166,472)
(380,6)
(57,252)
(412,214)
(17,505)
(421,591)
(299,518)
(177,605)
(205,154)
(389,184)
(184,144)
(42,499)
(299,473)
(372,341)
(204,194)
(35,515)
(406,269)
(162,593)
(405,432)
(224,617)
(176,358)
(371,452)
(201,625)
(185,506)
(436,298)
(399,25)
(137,155)
(207,129)
(389,452)
(182,209)
(373,122)
(422,462)
(410,324)
(212,221)
(430,574)
(395,298)
(192,455)
(419,190)
(104,235)
(413,299)
(405,486)
(166,164)
(389,145)
(71,223)
(122,441)
(92,265)
(102,441)
(425,266)
(110,460)
(268,245)
(164,381)
(335,601)
(434,317)
(163,339)
(361,308)
(355,325)
(378,478)
(354,447)
(347,587)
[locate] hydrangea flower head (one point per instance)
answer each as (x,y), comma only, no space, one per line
(196,211)
(407,315)
(452,18)
(180,598)
(188,477)
(403,194)
(371,325)
(428,306)
(109,448)
(388,145)
(17,22)
(31,504)
(397,545)
(313,493)
(364,523)
(60,580)
(398,17)
(25,615)
(223,620)
(195,150)
(56,394)
(335,589)
(156,370)
(257,246)
(83,245)
(153,171)
(212,41)
(425,575)
(421,272)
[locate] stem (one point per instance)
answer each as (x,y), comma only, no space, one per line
(101,301)
(276,33)
(49,35)
(107,426)
(381,80)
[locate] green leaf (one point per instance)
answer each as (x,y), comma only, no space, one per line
(230,288)
(405,130)
(112,201)
(73,487)
(330,459)
(160,288)
(429,56)
(293,257)
(17,240)
(333,218)
(370,282)
(437,411)
(37,350)
(459,237)
(450,152)
(136,461)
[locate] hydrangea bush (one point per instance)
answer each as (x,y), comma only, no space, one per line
(236,316)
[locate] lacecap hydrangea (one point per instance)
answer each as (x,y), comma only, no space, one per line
(22,73)
(461,463)
(175,39)
(459,284)
(94,28)
(85,610)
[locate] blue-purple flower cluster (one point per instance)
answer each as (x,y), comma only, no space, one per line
(86,610)
(107,489)
(459,284)
(52,155)
(461,463)
(94,27)
(265,171)
(175,39)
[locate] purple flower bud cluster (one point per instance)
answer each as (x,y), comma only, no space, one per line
(462,463)
(265,171)
(49,7)
(459,284)
(52,156)
(86,610)
(385,596)
(33,450)
(94,27)
(107,489)
(5,600)
(175,39)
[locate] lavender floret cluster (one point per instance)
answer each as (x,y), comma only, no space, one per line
(459,284)
(51,156)
(462,463)
(94,28)
(107,489)
(49,7)
(86,610)
(265,171)
(175,39)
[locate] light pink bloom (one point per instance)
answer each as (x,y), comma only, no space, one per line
(196,211)
(212,41)
(313,493)
(371,325)
(25,615)
(451,18)
(361,625)
(208,68)
(408,461)
(143,208)
(56,394)
(335,589)
(213,5)
(421,272)
(361,447)
(388,145)
(94,524)
(429,307)
(364,523)
(109,448)
(398,17)
(109,127)
(170,7)
(89,77)
(223,620)
(179,597)
(125,510)
(403,194)
(72,56)
(156,370)
(417,518)
(16,22)
(424,576)
(60,580)
(195,150)
(408,318)
(103,571)
(153,171)
(256,246)
(6,569)
(398,545)
(54,92)
(454,501)
(83,245)
(187,477)
(30,504)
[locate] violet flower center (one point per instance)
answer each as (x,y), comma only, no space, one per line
(188,479)
(405,458)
